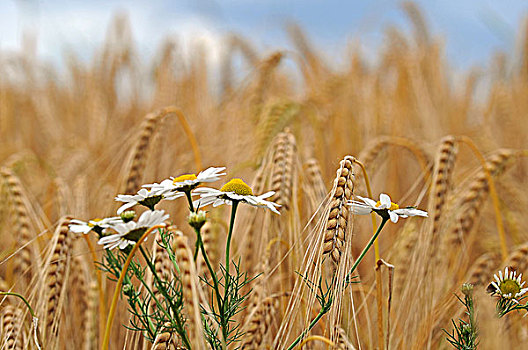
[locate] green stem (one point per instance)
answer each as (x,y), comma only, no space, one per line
(189,199)
(312,324)
(196,248)
(191,208)
(35,319)
(367,247)
(163,291)
(225,322)
(215,283)
(228,243)
(22,298)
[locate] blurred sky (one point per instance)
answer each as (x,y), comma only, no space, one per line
(472,29)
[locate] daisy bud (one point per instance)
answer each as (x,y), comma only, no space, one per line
(197,220)
(128,215)
(467,289)
(466,330)
(128,290)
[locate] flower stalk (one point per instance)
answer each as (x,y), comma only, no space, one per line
(113,305)
(34,317)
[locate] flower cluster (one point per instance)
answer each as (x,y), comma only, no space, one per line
(121,231)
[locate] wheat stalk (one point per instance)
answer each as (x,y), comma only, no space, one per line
(336,226)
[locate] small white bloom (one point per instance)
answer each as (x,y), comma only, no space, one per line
(148,198)
(383,207)
(128,233)
(233,191)
(78,226)
(509,286)
(187,182)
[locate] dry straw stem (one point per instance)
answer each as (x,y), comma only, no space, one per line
(12,330)
(317,338)
(140,152)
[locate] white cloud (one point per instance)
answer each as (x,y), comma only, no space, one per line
(82,28)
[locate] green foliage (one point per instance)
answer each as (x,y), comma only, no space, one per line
(464,336)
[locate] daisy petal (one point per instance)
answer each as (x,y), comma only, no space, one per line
(385,201)
(393,216)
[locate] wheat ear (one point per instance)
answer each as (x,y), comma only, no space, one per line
(56,275)
(259,323)
(12,332)
(23,260)
(283,169)
(336,226)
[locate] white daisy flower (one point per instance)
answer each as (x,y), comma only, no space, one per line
(128,233)
(187,182)
(508,286)
(235,190)
(97,225)
(148,198)
(384,207)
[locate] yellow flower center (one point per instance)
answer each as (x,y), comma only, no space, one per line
(184,177)
(238,186)
(509,286)
(393,206)
(94,220)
